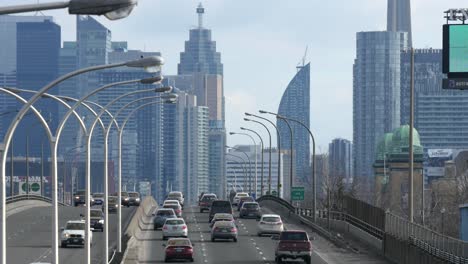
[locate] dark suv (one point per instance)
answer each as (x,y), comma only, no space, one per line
(205,201)
(219,206)
(293,245)
(79,197)
(250,209)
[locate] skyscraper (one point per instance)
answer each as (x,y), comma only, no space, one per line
(295,104)
(376,94)
(399,17)
(340,159)
(37,64)
(440,115)
(201,60)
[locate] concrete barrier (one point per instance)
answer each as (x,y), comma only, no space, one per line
(20,206)
(140,222)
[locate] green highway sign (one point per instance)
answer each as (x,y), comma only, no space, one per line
(297,193)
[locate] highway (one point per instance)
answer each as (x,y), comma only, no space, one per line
(249,248)
(29,236)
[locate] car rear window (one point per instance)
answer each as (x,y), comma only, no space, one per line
(250,205)
(208,198)
(224,223)
(179,242)
(223,217)
(112,199)
(124,194)
(271,219)
(165,212)
(175,222)
(242,194)
(293,236)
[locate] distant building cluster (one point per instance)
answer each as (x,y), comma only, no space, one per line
(165,147)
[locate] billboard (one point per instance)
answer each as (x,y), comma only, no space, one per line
(434,162)
(455,50)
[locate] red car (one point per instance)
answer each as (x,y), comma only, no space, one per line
(293,244)
(178,249)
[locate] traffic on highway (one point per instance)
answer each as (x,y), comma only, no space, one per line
(214,232)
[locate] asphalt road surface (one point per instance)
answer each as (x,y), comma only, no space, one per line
(249,248)
(29,236)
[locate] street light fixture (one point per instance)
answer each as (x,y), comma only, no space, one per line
(278,138)
(256,163)
(263,161)
(112,9)
(291,135)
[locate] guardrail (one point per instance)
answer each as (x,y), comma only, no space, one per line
(23,197)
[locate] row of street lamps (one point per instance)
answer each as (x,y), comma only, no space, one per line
(287,120)
(112,9)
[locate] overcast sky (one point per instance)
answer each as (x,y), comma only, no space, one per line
(262,41)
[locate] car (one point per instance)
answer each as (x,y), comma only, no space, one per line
(79,197)
(244,199)
(221,217)
(179,196)
(125,200)
(134,198)
(97,219)
(235,201)
(270,224)
(98,198)
(74,234)
(224,230)
(293,244)
(113,204)
(250,210)
(177,209)
(205,201)
(219,206)
(171,202)
(175,227)
(178,249)
(161,215)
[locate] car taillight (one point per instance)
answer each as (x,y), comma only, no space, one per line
(189,249)
(309,245)
(279,223)
(177,211)
(217,229)
(184,227)
(165,227)
(170,249)
(233,229)
(262,223)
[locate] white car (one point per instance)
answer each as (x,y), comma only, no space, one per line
(74,234)
(270,224)
(235,201)
(176,196)
(166,202)
(174,227)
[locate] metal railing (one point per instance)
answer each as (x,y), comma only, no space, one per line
(23,197)
(447,248)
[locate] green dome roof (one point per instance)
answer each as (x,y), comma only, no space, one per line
(397,143)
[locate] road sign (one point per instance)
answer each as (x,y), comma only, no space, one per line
(274,193)
(455,84)
(297,193)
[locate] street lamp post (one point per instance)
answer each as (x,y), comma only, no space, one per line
(263,162)
(112,9)
(256,163)
(278,139)
(291,135)
(269,152)
(250,166)
(243,167)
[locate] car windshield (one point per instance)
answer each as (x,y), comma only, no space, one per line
(175,222)
(250,205)
(272,219)
(133,195)
(124,194)
(80,193)
(293,236)
(179,242)
(174,195)
(75,226)
(112,199)
(98,195)
(208,198)
(96,213)
(165,212)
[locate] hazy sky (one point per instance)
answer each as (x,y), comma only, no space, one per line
(262,41)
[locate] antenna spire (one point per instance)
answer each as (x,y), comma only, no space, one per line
(200,12)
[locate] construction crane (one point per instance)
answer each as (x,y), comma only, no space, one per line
(302,63)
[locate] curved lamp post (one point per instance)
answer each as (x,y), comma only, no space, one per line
(152,63)
(291,135)
(263,161)
(243,168)
(256,163)
(269,152)
(314,182)
(250,167)
(278,138)
(112,9)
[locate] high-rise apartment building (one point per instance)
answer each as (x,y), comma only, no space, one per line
(340,159)
(295,104)
(399,17)
(37,64)
(440,115)
(376,94)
